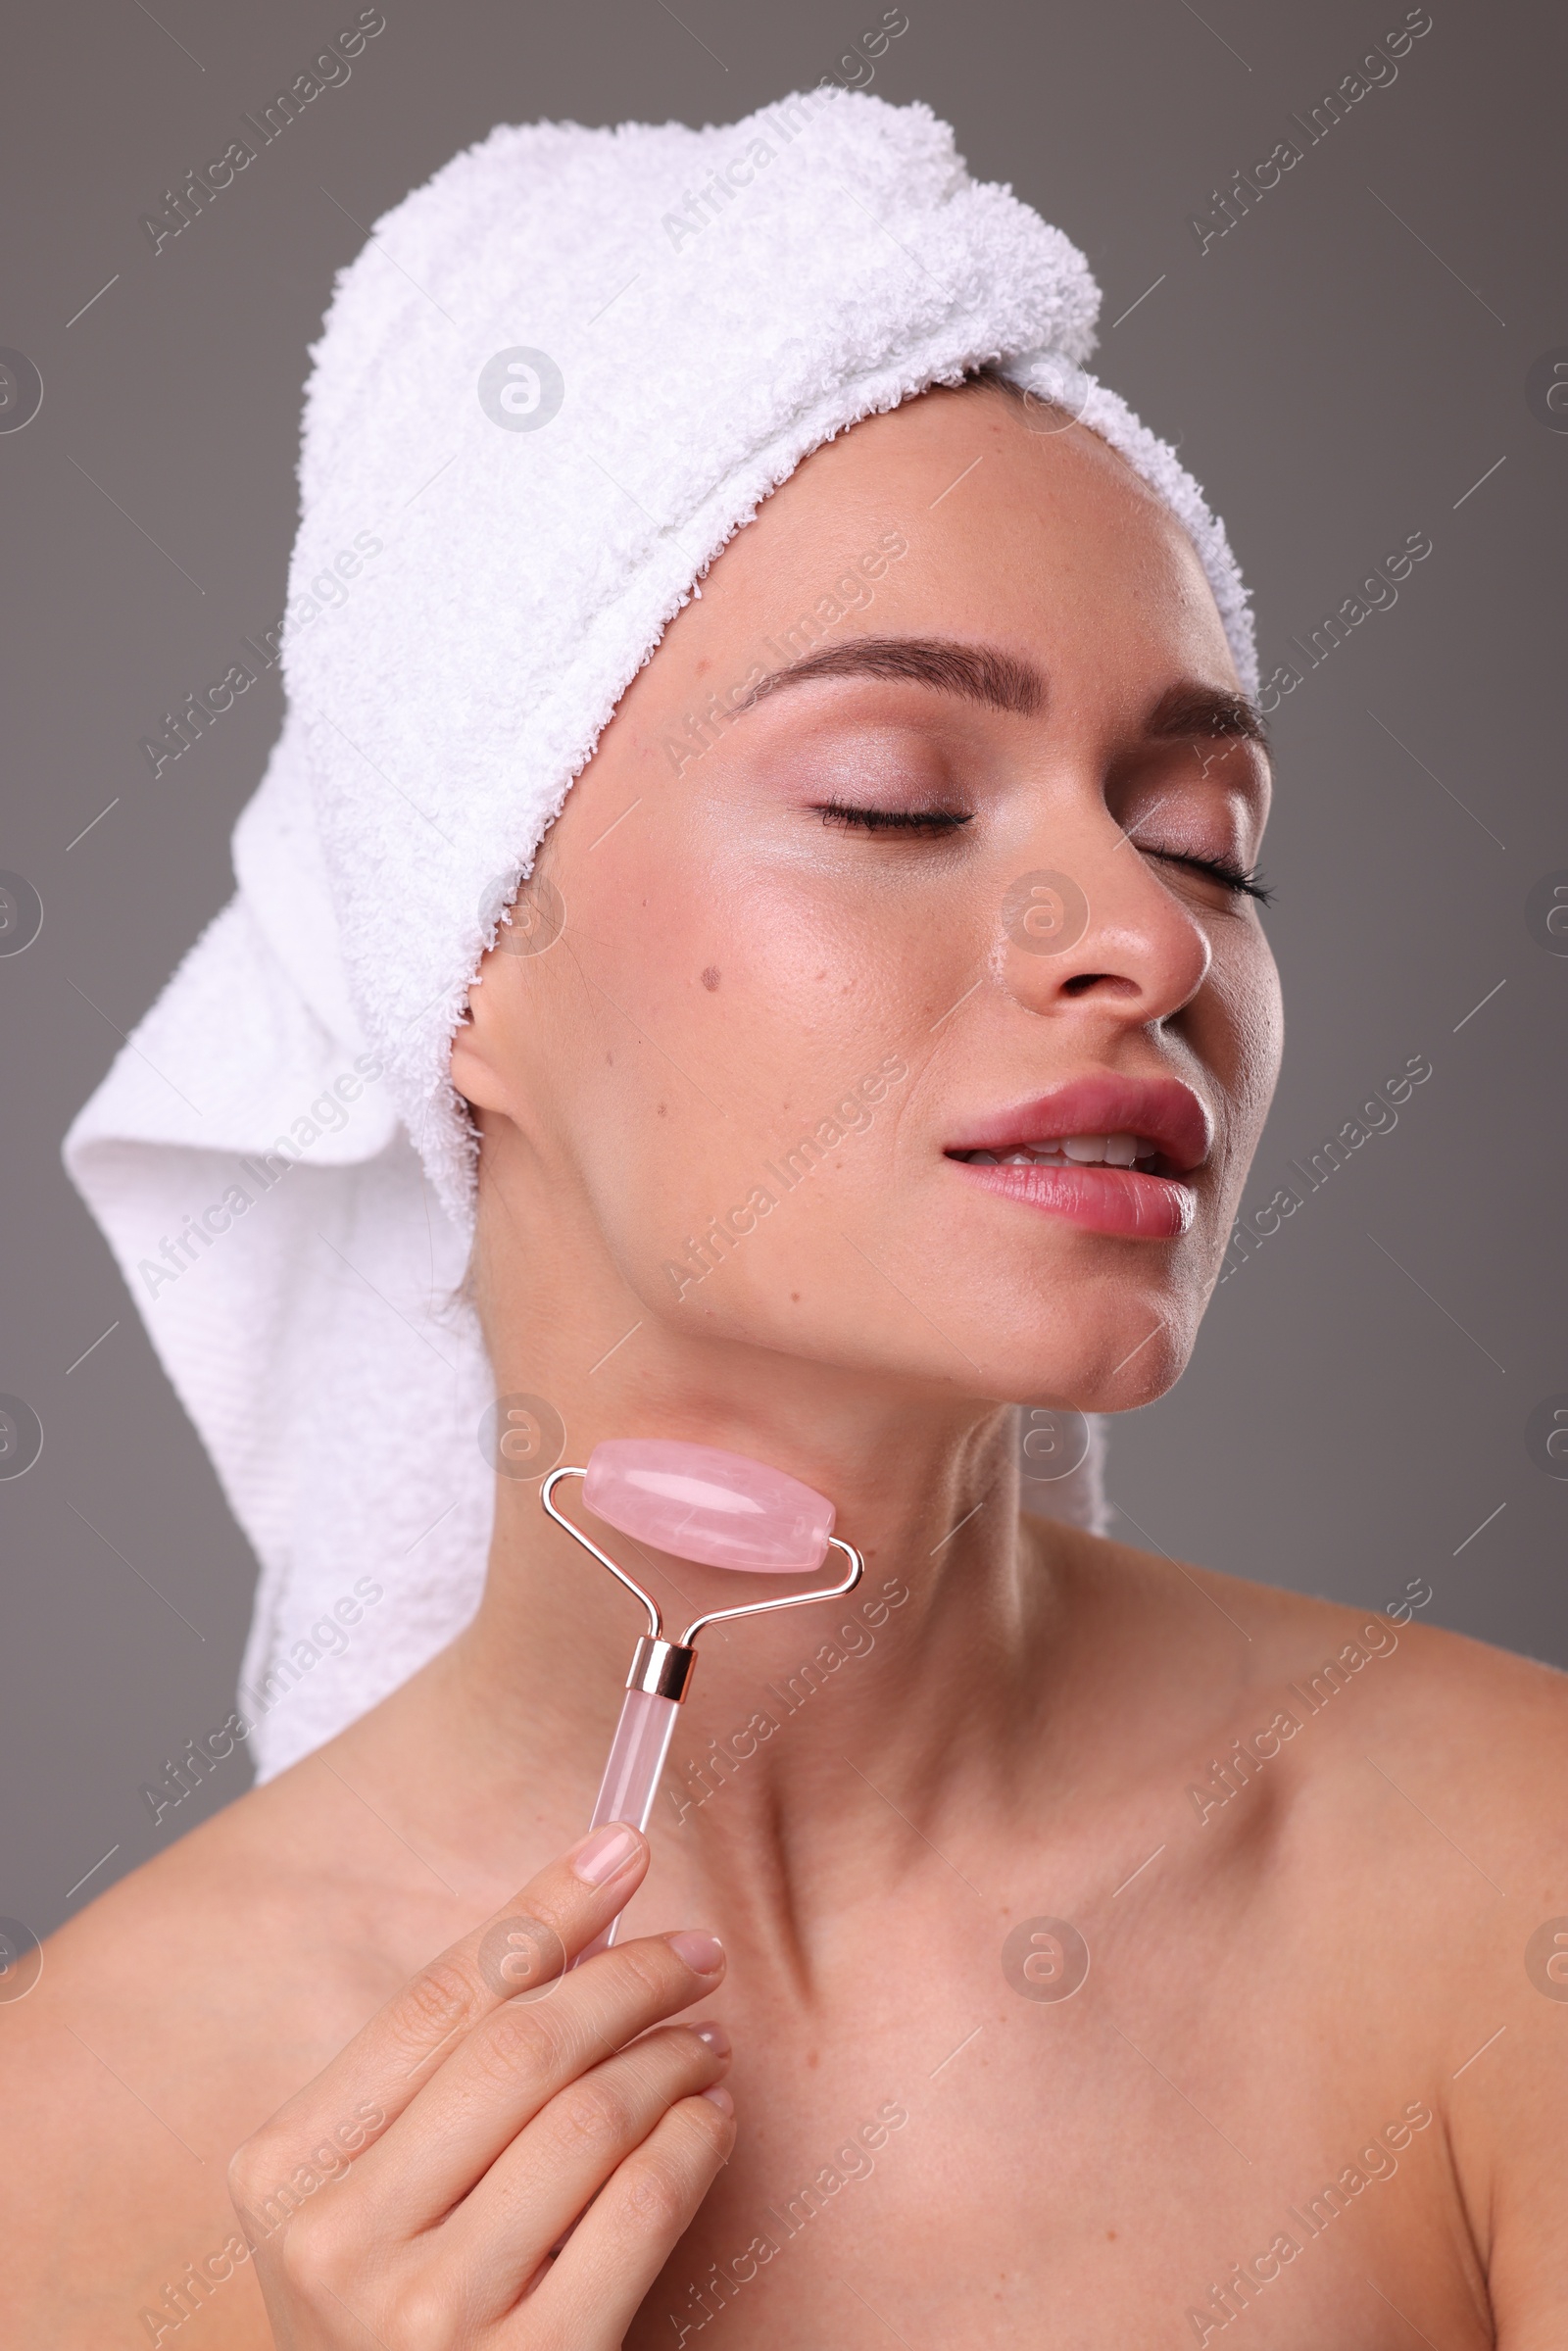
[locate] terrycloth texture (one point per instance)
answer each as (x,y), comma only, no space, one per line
(467,603)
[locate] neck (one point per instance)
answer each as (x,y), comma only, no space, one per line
(808,1735)
(802,1730)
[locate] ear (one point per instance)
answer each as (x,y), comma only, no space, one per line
(479,1049)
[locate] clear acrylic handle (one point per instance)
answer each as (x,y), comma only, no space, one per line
(632,1775)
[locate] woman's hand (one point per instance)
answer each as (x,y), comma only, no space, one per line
(415,2194)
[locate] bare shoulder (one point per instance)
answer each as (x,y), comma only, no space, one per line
(1382,1806)
(1389,1769)
(1399,1787)
(1453,1708)
(1380,1679)
(1428,1802)
(170,2018)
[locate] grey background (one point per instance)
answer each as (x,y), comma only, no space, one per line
(1337,377)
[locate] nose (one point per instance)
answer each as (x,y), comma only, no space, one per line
(1105,934)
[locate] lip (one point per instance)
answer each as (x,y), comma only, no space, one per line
(1134,1204)
(1103,1199)
(1104,1103)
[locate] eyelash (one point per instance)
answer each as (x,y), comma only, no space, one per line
(938,822)
(1220,869)
(893,820)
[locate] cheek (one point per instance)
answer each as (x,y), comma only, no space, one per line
(1262,1035)
(737,1008)
(1240,1032)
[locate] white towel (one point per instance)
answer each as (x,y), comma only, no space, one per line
(557,380)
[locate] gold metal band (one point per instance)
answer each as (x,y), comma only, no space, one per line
(664,1668)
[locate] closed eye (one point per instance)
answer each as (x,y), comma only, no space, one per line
(1240,883)
(928,821)
(937,822)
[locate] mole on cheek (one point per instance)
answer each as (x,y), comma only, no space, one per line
(710,976)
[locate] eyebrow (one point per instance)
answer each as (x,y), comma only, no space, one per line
(1190,708)
(1006,681)
(978,672)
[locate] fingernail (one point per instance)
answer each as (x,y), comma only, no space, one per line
(598,1858)
(714,2035)
(704,1954)
(719,2096)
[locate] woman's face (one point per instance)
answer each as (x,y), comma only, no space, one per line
(896,912)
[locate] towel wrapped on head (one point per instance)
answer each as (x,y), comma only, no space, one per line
(544,412)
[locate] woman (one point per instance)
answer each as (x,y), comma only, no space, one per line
(1076,1945)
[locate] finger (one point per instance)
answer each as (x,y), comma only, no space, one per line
(496,2241)
(592,2291)
(512,2064)
(373,2080)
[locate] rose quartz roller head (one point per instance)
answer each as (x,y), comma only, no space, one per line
(722,1510)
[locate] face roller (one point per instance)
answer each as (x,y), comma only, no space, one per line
(720,1510)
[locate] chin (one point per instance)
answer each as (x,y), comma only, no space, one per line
(1098,1362)
(1111,1347)
(1092,1323)
(975,1294)
(1085,1383)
